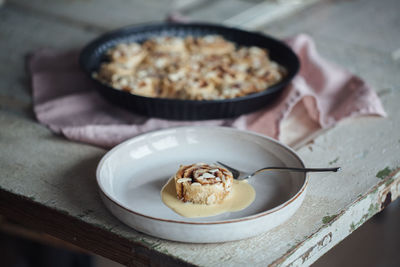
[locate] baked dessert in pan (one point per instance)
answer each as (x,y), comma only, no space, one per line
(188,107)
(191,68)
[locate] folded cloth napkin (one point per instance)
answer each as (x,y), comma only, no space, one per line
(64,99)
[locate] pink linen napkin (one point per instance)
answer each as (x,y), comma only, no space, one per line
(65,100)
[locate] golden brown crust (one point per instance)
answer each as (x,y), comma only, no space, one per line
(201,183)
(201,68)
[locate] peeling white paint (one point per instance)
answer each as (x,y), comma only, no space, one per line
(342,225)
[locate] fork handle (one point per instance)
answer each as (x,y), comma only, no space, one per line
(297,169)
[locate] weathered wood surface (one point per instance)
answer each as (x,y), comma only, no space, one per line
(48,182)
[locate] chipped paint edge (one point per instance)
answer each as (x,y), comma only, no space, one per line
(343,224)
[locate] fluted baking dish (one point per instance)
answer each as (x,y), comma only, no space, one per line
(93,55)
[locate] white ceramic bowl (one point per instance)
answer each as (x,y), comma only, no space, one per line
(131,175)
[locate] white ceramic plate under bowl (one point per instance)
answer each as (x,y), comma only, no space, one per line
(131,176)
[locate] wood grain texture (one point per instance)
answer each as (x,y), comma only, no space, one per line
(101,15)
(48,183)
(93,238)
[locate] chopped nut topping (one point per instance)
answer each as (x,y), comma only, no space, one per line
(206,176)
(182,180)
(195,68)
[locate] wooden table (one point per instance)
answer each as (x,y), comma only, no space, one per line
(48,183)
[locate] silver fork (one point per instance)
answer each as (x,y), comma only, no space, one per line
(240,175)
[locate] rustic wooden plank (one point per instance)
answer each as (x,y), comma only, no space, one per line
(266,12)
(101,15)
(338,226)
(15,229)
(75,231)
(367,24)
(22,33)
(60,173)
(106,15)
(56,178)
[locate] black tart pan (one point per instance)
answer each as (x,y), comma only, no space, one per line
(175,109)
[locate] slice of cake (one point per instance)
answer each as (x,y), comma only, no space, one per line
(201,183)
